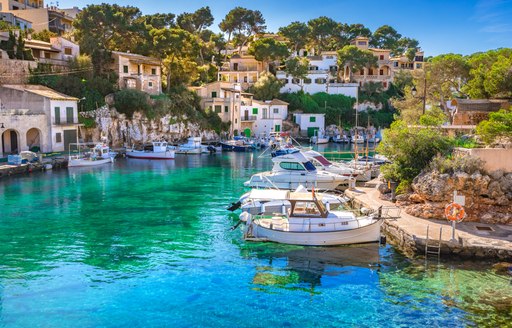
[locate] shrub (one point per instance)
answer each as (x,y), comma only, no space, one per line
(456,163)
(130,101)
(499,126)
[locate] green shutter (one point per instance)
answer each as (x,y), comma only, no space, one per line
(57,115)
(214,94)
(226,109)
(125,69)
(311,132)
(69,115)
(312,119)
(255,111)
(277,128)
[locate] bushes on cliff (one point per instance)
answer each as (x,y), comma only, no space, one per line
(497,128)
(129,101)
(410,149)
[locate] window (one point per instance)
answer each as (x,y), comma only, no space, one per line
(312,119)
(125,69)
(381,57)
(283,81)
(385,84)
(226,109)
(361,71)
(277,128)
(218,108)
(236,121)
(47,55)
(58,137)
(150,84)
(395,64)
(381,72)
(361,43)
(245,79)
(333,68)
(214,94)
(57,115)
(153,71)
(276,110)
(255,111)
(69,115)
(307,81)
(68,51)
(418,65)
(320,81)
(296,81)
(291,166)
(370,71)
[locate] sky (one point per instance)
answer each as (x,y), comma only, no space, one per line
(456,26)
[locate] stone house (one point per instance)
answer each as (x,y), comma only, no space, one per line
(34,116)
(242,69)
(138,72)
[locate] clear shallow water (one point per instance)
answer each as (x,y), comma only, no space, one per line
(144,243)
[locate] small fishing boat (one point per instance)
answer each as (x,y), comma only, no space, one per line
(293,169)
(264,201)
(357,139)
(193,146)
(157,150)
(319,138)
(238,144)
(98,155)
(309,222)
(340,139)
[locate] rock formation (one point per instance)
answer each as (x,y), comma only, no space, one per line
(122,131)
(488,197)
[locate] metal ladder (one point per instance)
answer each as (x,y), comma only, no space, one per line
(432,246)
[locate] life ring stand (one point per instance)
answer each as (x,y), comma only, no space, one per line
(455,212)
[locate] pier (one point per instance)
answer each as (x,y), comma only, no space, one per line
(409,233)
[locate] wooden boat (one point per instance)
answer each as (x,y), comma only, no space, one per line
(309,222)
(98,155)
(157,150)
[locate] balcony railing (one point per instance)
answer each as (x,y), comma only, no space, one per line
(249,118)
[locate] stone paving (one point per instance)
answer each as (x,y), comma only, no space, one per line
(409,233)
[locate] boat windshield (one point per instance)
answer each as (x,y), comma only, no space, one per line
(324,161)
(309,166)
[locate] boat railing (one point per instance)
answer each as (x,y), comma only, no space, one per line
(336,226)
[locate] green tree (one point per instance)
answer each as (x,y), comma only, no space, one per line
(385,37)
(197,21)
(497,128)
(355,59)
(296,33)
(433,117)
(268,49)
(244,23)
(267,87)
(322,33)
(298,68)
(44,35)
(410,149)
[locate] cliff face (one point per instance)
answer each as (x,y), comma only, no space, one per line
(488,197)
(121,131)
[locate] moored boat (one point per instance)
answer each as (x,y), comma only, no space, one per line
(157,150)
(309,222)
(98,155)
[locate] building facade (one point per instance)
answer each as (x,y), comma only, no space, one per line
(14,20)
(35,116)
(138,72)
(46,18)
(262,117)
(474,111)
(242,69)
(6,5)
(310,124)
(225,99)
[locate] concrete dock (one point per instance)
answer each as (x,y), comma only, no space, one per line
(409,233)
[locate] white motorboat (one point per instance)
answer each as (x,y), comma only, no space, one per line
(193,146)
(360,173)
(357,139)
(265,201)
(293,169)
(340,139)
(157,150)
(98,155)
(309,222)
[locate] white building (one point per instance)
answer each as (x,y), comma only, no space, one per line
(309,123)
(36,116)
(321,77)
(14,20)
(262,117)
(138,72)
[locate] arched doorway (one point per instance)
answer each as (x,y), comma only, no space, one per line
(34,140)
(10,142)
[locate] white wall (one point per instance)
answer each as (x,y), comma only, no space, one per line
(265,126)
(303,120)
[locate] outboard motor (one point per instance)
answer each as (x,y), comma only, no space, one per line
(211,149)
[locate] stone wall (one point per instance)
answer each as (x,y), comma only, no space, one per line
(488,198)
(121,131)
(15,71)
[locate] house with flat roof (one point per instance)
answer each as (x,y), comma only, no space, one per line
(6,5)
(137,72)
(262,117)
(310,124)
(35,116)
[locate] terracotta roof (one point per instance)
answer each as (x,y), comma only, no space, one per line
(40,45)
(138,58)
(480,105)
(40,91)
(278,102)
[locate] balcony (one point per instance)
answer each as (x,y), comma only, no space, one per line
(249,118)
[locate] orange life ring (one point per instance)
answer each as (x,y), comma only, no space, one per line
(454,212)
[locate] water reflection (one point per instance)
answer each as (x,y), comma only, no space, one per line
(306,268)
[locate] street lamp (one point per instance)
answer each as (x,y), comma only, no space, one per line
(414,92)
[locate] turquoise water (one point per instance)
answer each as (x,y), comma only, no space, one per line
(144,243)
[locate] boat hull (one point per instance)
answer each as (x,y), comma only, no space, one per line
(150,155)
(366,234)
(288,181)
(86,163)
